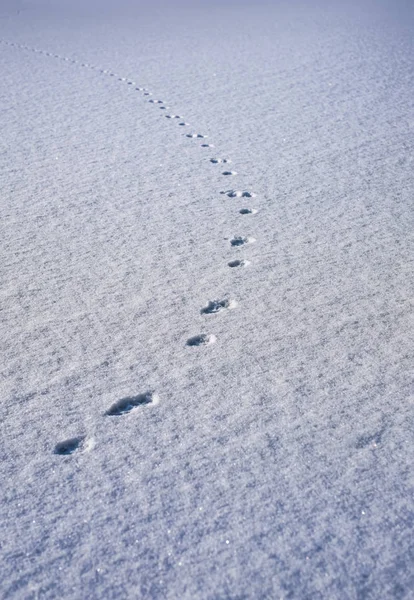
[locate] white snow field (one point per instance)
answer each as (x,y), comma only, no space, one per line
(200,401)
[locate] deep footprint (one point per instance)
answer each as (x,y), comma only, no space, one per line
(203,339)
(238,263)
(215,306)
(241,241)
(217,161)
(229,173)
(196,135)
(125,405)
(69,446)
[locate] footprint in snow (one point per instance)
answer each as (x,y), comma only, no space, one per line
(207,145)
(69,446)
(204,339)
(238,194)
(184,124)
(241,241)
(229,173)
(156,101)
(195,135)
(247,211)
(215,306)
(238,263)
(217,161)
(125,405)
(173,117)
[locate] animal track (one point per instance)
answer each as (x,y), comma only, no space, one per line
(69,446)
(238,194)
(241,241)
(125,405)
(217,161)
(238,263)
(204,339)
(215,306)
(247,211)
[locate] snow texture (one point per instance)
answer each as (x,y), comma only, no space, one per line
(138,458)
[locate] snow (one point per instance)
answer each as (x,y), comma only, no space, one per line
(152,447)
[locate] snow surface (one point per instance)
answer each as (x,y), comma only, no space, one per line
(138,458)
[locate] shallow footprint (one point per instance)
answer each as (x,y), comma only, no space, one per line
(215,306)
(69,446)
(125,405)
(217,161)
(196,135)
(204,339)
(207,145)
(229,173)
(241,241)
(247,211)
(239,194)
(238,263)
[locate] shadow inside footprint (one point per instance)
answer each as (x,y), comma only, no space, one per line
(240,241)
(238,263)
(201,340)
(125,405)
(215,306)
(69,446)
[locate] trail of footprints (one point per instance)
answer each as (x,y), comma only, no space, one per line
(132,403)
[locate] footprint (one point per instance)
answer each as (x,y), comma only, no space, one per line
(229,173)
(184,124)
(238,263)
(247,211)
(204,339)
(69,446)
(239,194)
(217,161)
(156,101)
(125,405)
(164,107)
(148,94)
(196,135)
(241,241)
(207,145)
(215,306)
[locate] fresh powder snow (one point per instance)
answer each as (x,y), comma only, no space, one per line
(207,299)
